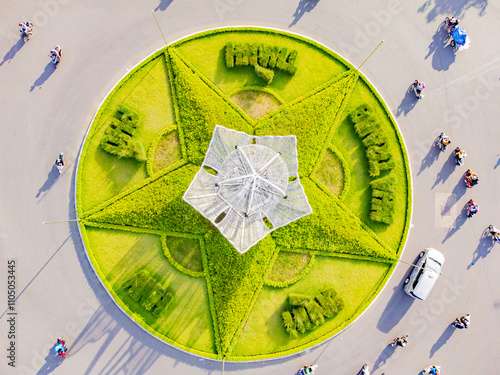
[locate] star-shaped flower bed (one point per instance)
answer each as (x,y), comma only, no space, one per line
(226,304)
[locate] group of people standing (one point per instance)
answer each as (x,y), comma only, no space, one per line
(26,30)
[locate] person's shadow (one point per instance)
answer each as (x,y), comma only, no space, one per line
(459,221)
(431,156)
(12,52)
(163,5)
(408,102)
(442,53)
(49,69)
(442,340)
(446,170)
(382,359)
(51,179)
(52,361)
(483,248)
(304,6)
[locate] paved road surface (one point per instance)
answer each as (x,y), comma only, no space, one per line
(44,112)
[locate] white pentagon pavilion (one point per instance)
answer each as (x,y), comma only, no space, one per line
(246,180)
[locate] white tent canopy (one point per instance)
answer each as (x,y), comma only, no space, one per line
(249,179)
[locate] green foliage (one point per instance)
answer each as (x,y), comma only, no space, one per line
(382,205)
(184,253)
(152,296)
(312,119)
(289,323)
(331,228)
(156,204)
(263,55)
(306,313)
(264,73)
(119,138)
(199,108)
(288,268)
(235,280)
(373,138)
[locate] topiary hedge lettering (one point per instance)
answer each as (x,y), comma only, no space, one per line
(373,138)
(382,204)
(263,57)
(144,289)
(306,313)
(119,136)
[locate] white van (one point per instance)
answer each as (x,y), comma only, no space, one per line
(425,274)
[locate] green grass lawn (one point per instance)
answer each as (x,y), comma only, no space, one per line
(133,218)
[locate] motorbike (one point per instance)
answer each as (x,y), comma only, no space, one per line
(401,341)
(432,370)
(364,370)
(494,233)
(459,39)
(60,163)
(61,347)
(306,370)
(26,30)
(443,141)
(471,178)
(462,322)
(56,55)
(418,87)
(472,208)
(460,155)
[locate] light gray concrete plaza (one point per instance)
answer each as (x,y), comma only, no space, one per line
(46,111)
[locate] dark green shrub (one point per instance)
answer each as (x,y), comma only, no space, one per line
(382,204)
(299,299)
(375,139)
(230,54)
(361,113)
(162,304)
(302,321)
(264,73)
(289,323)
(118,139)
(366,128)
(144,289)
(339,304)
(264,54)
(253,54)
(306,313)
(315,312)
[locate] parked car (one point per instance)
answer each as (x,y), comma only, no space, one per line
(425,274)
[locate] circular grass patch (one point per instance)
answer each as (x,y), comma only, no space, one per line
(169,268)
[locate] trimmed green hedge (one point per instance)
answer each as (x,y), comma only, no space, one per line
(262,55)
(374,139)
(152,296)
(306,313)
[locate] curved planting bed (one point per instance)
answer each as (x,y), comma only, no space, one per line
(169,268)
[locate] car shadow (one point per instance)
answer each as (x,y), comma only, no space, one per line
(459,221)
(49,70)
(431,156)
(408,103)
(442,339)
(395,309)
(12,52)
(483,248)
(303,7)
(446,170)
(440,49)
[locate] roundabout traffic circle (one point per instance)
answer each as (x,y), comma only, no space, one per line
(172,270)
